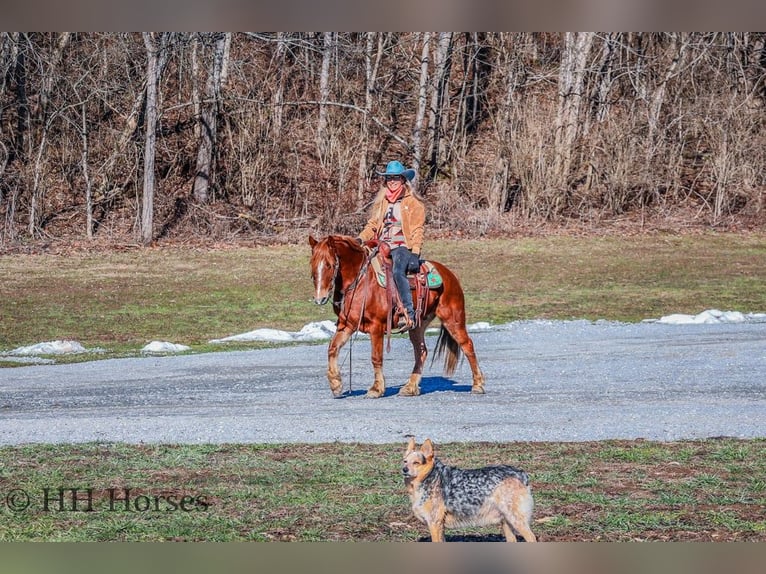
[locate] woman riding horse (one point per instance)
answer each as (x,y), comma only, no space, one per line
(341,271)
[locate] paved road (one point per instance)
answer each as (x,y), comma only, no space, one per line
(546,381)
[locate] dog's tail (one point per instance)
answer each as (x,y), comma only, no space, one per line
(446,342)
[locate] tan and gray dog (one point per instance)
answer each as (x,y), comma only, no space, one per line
(447,496)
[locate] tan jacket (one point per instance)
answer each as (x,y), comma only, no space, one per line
(413,219)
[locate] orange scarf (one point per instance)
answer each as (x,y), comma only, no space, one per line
(392,197)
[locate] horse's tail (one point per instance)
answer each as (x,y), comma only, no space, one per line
(448,343)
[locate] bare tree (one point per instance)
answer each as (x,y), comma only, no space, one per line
(86,176)
(417,131)
(324,96)
(45,118)
(278,95)
(439,100)
(208,118)
(676,55)
(605,79)
(571,94)
(155,44)
(371,65)
(511,72)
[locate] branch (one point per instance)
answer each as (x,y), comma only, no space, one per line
(362,111)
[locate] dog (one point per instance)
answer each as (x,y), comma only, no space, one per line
(447,496)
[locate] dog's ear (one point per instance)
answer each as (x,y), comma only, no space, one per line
(427,449)
(410,446)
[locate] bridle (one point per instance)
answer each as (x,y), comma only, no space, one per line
(339,294)
(351,289)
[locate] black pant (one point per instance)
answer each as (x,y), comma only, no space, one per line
(404,260)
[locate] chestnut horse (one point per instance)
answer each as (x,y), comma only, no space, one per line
(341,271)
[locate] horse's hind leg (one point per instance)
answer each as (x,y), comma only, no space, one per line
(454,322)
(333,371)
(466,344)
(417,338)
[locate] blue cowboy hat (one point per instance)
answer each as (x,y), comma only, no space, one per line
(396,168)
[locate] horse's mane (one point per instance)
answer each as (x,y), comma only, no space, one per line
(349,241)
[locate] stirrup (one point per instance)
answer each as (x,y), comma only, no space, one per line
(405,324)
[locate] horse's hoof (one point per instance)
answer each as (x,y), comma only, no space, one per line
(409,391)
(373,395)
(337,394)
(477,390)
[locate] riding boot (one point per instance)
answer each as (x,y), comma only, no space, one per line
(401,258)
(407,318)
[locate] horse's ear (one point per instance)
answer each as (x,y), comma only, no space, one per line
(312,241)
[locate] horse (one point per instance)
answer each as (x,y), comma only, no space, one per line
(341,271)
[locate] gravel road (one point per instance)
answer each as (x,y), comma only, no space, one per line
(546,381)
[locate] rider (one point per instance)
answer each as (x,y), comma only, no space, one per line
(398,217)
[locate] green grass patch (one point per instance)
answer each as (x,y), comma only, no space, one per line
(327,492)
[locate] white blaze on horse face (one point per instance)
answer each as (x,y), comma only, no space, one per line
(318,280)
(318,295)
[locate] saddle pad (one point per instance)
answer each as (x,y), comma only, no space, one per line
(433,279)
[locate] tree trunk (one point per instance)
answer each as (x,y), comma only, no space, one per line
(37,178)
(323,144)
(417,132)
(571,90)
(153,47)
(498,189)
(208,120)
(678,51)
(605,77)
(48,79)
(22,104)
(439,100)
(371,72)
(278,97)
(86,177)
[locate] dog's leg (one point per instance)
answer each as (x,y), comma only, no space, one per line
(436,529)
(333,371)
(379,384)
(517,516)
(417,338)
(510,535)
(522,528)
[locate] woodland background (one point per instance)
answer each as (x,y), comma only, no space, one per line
(228,136)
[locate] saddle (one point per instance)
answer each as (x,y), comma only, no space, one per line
(425,278)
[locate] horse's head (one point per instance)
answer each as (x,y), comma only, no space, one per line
(324,268)
(335,261)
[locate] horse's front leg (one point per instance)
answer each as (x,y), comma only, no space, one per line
(379,384)
(418,340)
(333,371)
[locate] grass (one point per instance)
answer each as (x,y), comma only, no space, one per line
(611,491)
(120,301)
